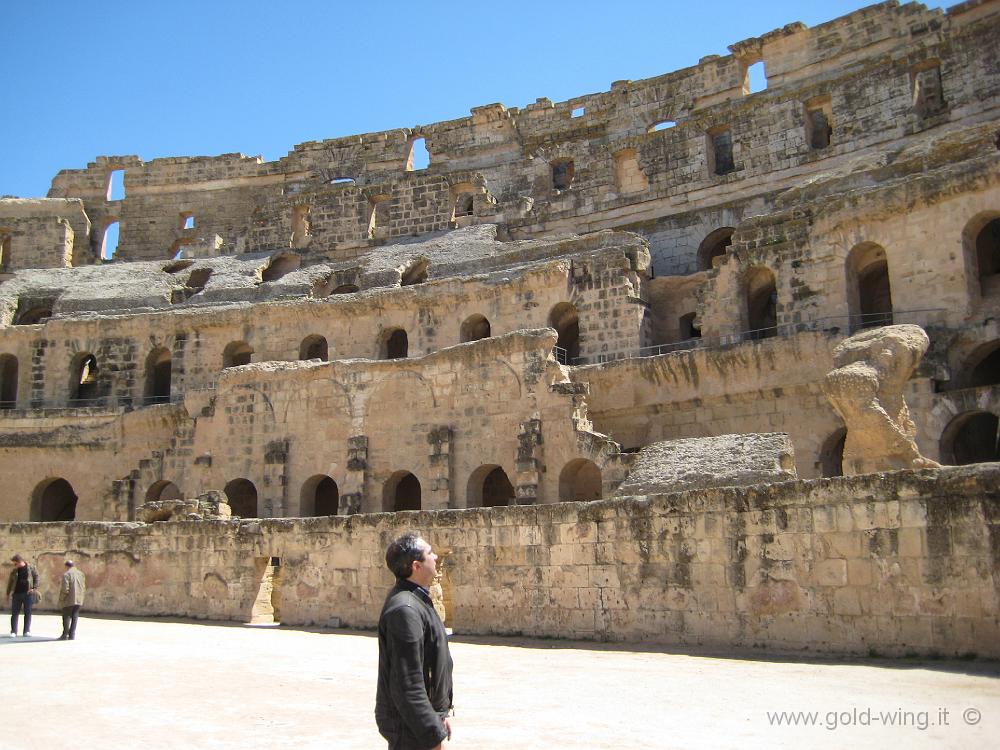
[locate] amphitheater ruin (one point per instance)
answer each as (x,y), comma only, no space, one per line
(606,348)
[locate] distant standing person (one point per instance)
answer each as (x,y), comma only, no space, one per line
(23,582)
(414,665)
(71,593)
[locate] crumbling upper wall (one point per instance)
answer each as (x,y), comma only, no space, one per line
(43,233)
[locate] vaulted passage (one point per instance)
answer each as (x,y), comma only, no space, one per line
(984,366)
(869,293)
(53,500)
(314,347)
(395,344)
(242,496)
(831,456)
(474,328)
(970,438)
(236,353)
(762,303)
(489,487)
(320,496)
(163,490)
(714,246)
(401,492)
(84,386)
(580,480)
(988,256)
(565,319)
(158,369)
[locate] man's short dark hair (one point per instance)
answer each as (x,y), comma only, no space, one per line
(401,553)
(17,559)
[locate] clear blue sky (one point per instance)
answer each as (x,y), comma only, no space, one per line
(179,78)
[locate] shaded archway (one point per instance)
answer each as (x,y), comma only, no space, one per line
(869,294)
(970,438)
(489,487)
(8,381)
(163,490)
(762,303)
(53,500)
(831,455)
(983,366)
(580,480)
(401,492)
(242,496)
(236,353)
(280,265)
(395,344)
(314,347)
(987,249)
(474,328)
(84,379)
(714,246)
(566,320)
(158,370)
(320,496)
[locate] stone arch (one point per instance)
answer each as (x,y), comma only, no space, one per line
(53,499)
(280,265)
(580,480)
(474,328)
(566,320)
(869,294)
(971,437)
(314,347)
(831,454)
(158,372)
(237,353)
(394,344)
(84,383)
(401,492)
(320,496)
(982,367)
(415,272)
(163,490)
(34,315)
(714,246)
(981,247)
(489,487)
(761,295)
(242,495)
(8,381)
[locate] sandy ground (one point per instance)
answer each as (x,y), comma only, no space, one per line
(177,684)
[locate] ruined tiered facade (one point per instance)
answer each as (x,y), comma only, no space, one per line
(339,332)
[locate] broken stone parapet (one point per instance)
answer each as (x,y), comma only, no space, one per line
(210,506)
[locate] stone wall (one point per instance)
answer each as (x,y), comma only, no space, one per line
(897,563)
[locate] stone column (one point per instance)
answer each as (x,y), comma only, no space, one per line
(529,462)
(440,463)
(353,492)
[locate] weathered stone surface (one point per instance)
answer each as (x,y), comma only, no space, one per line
(723,461)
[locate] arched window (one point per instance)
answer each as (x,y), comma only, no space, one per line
(236,353)
(474,328)
(831,455)
(566,321)
(84,385)
(158,368)
(580,480)
(109,242)
(401,492)
(162,490)
(489,487)
(869,295)
(714,246)
(395,344)
(314,347)
(987,244)
(242,496)
(970,438)
(8,381)
(320,496)
(53,500)
(762,303)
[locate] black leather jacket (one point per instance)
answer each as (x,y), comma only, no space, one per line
(414,670)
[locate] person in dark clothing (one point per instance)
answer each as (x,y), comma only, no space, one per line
(21,585)
(414,694)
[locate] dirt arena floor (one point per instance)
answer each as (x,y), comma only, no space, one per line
(154,684)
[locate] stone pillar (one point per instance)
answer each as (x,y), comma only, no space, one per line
(353,492)
(272,502)
(440,463)
(529,462)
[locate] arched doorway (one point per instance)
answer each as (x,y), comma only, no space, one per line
(320,496)
(714,246)
(395,344)
(242,496)
(565,319)
(53,500)
(983,366)
(489,487)
(762,303)
(474,328)
(236,353)
(163,490)
(84,384)
(314,347)
(401,492)
(580,480)
(987,245)
(970,438)
(158,370)
(869,293)
(831,455)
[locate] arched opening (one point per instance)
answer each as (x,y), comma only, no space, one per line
(236,353)
(158,368)
(109,243)
(314,347)
(415,273)
(687,328)
(714,246)
(474,328)
(970,438)
(661,125)
(320,496)
(987,245)
(395,344)
(116,185)
(464,205)
(563,171)
(53,500)
(869,294)
(84,385)
(33,315)
(242,496)
(419,157)
(163,490)
(984,366)
(280,265)
(762,303)
(300,226)
(580,480)
(8,381)
(755,78)
(489,487)
(401,492)
(831,455)
(565,319)
(187,220)
(378,217)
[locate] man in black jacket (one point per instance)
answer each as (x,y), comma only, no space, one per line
(414,664)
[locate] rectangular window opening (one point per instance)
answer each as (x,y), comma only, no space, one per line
(116,185)
(578,112)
